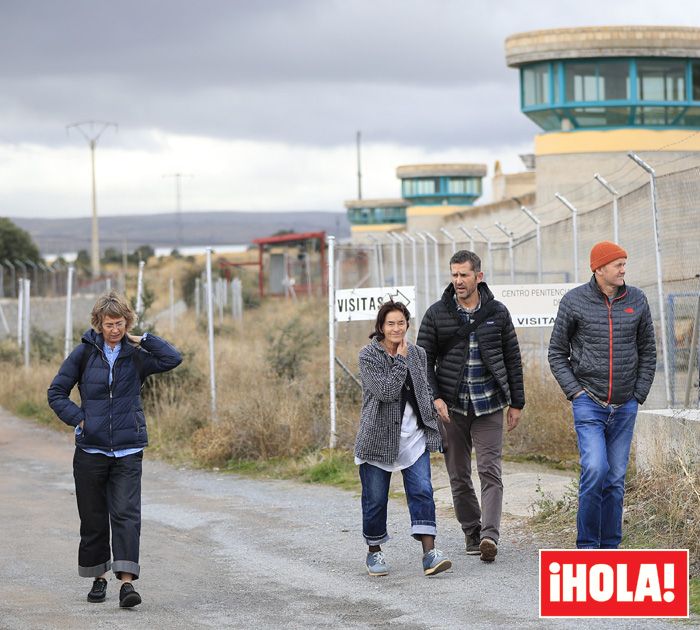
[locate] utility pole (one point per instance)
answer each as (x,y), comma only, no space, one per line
(359,167)
(95,129)
(178,205)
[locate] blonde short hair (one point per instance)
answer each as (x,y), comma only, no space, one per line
(111,304)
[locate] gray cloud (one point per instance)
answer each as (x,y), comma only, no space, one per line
(427,72)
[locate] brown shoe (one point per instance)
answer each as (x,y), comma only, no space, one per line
(472,543)
(488,549)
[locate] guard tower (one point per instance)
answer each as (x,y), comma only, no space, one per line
(437,190)
(375,215)
(600,92)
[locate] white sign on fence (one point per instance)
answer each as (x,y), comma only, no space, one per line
(532,305)
(362,304)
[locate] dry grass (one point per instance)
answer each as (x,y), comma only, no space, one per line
(546,430)
(663,509)
(24,390)
(272,392)
(263,412)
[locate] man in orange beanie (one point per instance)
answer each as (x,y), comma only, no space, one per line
(603,354)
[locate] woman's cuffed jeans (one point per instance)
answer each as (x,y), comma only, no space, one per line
(604,437)
(108,491)
(375,497)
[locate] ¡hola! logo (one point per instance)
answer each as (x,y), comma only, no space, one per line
(613,583)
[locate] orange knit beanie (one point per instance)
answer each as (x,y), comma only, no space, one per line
(605,252)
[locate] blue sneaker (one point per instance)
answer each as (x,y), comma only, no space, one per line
(434,562)
(376,564)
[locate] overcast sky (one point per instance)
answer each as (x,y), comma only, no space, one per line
(259,101)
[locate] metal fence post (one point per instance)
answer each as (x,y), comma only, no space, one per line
(139,291)
(469,235)
(616,228)
(414,268)
(659,271)
(574,213)
(220,300)
(538,240)
(69,312)
(509,234)
(20,310)
(197,298)
(436,250)
(27,325)
(331,337)
(394,261)
(402,260)
(693,355)
(491,274)
(450,238)
(210,330)
(236,299)
(426,269)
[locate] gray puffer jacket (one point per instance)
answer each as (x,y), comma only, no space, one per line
(382,378)
(605,347)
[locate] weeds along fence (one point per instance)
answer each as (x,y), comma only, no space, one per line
(512,253)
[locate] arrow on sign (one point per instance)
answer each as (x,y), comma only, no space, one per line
(406,301)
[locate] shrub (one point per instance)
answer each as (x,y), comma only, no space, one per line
(45,347)
(10,354)
(290,348)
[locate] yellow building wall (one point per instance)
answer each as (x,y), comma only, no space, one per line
(615,140)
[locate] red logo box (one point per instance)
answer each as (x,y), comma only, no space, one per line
(614,583)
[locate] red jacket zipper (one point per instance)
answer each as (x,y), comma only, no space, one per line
(609,304)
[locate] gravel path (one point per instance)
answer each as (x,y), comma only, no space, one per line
(222,551)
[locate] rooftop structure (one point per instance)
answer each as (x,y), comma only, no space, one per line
(374,212)
(441,184)
(609,77)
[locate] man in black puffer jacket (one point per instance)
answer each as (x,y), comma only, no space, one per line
(603,354)
(475,372)
(109,367)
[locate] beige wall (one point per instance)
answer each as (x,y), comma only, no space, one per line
(509,185)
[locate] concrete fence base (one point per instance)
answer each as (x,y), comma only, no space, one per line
(665,435)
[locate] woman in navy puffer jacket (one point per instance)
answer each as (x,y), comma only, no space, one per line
(109,367)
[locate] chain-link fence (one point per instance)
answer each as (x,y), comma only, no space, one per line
(48,286)
(513,254)
(51,280)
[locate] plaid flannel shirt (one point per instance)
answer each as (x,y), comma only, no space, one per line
(478,384)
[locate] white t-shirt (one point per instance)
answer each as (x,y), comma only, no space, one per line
(411,444)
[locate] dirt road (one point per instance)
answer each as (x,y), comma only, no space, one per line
(221,551)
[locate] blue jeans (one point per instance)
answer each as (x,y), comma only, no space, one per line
(604,438)
(375,497)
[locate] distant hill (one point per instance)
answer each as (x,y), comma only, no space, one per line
(54,236)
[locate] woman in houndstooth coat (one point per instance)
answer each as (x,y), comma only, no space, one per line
(398,430)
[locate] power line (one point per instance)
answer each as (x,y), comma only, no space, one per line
(178,204)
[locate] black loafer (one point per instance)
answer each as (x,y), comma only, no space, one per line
(128,597)
(98,592)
